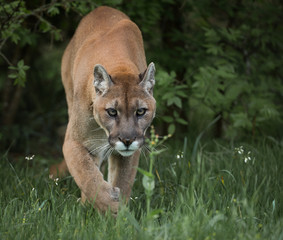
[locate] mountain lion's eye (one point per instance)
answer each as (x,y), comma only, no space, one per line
(140,112)
(112,112)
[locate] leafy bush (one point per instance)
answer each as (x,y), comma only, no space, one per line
(169,94)
(241,78)
(230,64)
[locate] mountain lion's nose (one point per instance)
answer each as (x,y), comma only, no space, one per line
(127,141)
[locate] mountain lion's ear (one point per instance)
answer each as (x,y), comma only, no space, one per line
(102,80)
(148,80)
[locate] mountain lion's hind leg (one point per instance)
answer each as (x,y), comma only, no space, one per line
(58,170)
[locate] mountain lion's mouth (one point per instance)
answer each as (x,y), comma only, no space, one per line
(124,150)
(126,153)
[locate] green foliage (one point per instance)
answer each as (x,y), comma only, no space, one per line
(16,28)
(169,95)
(14,17)
(148,176)
(20,74)
(234,81)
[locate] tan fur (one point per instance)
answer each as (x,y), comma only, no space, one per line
(106,37)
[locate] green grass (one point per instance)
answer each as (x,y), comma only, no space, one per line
(215,195)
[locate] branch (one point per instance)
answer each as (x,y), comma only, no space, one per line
(6,59)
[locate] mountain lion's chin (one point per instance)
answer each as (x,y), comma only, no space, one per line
(126,153)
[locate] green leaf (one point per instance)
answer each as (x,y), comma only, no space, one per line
(154,214)
(175,100)
(12,68)
(15,38)
(57,34)
(42,204)
(168,119)
(176,114)
(234,90)
(269,112)
(145,173)
(20,63)
(168,95)
(241,120)
(53,10)
(13,75)
(20,74)
(45,26)
(148,183)
(156,152)
(171,128)
(178,102)
(26,67)
(182,121)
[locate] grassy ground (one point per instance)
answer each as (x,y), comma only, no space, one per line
(219,192)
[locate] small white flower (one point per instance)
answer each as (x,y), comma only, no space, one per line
(135,198)
(247,159)
(29,158)
(180,155)
(56,181)
(239,150)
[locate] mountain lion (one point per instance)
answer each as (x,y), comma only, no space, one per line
(109,91)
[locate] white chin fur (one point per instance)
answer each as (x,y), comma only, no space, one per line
(124,151)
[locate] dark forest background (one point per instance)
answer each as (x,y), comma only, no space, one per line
(216,60)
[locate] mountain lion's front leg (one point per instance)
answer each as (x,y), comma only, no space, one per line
(122,172)
(89,179)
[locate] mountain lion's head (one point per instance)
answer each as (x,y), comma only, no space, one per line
(124,107)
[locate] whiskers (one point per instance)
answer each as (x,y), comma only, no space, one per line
(148,147)
(97,129)
(96,150)
(99,147)
(106,153)
(145,150)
